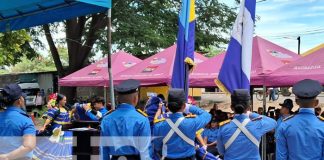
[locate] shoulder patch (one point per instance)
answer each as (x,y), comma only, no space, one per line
(158,120)
(141,112)
(289,117)
(321,118)
(224,122)
(257,118)
(191,116)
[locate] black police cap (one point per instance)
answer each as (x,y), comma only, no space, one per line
(288,103)
(307,89)
(13,91)
(176,95)
(127,87)
(240,95)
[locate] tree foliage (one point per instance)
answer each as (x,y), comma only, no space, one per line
(14,45)
(39,64)
(146,26)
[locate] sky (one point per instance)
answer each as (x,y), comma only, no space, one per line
(282,21)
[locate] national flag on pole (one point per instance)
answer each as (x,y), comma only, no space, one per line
(236,68)
(184,60)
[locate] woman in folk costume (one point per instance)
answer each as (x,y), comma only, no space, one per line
(50,104)
(57,144)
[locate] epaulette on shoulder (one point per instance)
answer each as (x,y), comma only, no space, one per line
(200,131)
(289,117)
(141,112)
(25,114)
(158,120)
(110,111)
(191,116)
(224,122)
(257,118)
(321,118)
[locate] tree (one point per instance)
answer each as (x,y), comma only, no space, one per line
(39,64)
(14,45)
(141,27)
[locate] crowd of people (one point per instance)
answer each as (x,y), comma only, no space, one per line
(170,129)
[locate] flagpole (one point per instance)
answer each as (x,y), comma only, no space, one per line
(186,87)
(111,82)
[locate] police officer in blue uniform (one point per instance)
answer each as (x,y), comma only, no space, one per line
(98,111)
(174,136)
(17,131)
(239,139)
(301,136)
(126,131)
(285,112)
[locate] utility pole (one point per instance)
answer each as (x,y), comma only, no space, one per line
(298,38)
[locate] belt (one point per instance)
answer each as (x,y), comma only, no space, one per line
(186,158)
(127,157)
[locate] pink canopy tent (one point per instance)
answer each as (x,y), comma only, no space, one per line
(205,73)
(155,70)
(96,74)
(308,67)
(266,57)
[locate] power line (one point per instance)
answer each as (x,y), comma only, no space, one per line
(296,33)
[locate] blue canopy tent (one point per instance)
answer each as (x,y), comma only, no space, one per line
(19,14)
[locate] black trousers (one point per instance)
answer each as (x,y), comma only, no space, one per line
(128,157)
(186,158)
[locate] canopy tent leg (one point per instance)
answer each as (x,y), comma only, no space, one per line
(111,81)
(264,138)
(252,101)
(105,94)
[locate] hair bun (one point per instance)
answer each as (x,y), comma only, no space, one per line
(239,108)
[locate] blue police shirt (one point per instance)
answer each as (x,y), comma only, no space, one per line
(301,137)
(125,131)
(14,124)
(279,121)
(211,134)
(93,117)
(242,147)
(176,147)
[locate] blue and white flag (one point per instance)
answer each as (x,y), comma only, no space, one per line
(236,68)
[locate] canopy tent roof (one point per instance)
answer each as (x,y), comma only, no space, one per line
(266,57)
(155,70)
(205,73)
(321,46)
(308,67)
(97,74)
(19,14)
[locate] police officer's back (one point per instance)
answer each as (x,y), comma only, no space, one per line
(126,131)
(17,131)
(175,135)
(239,139)
(301,136)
